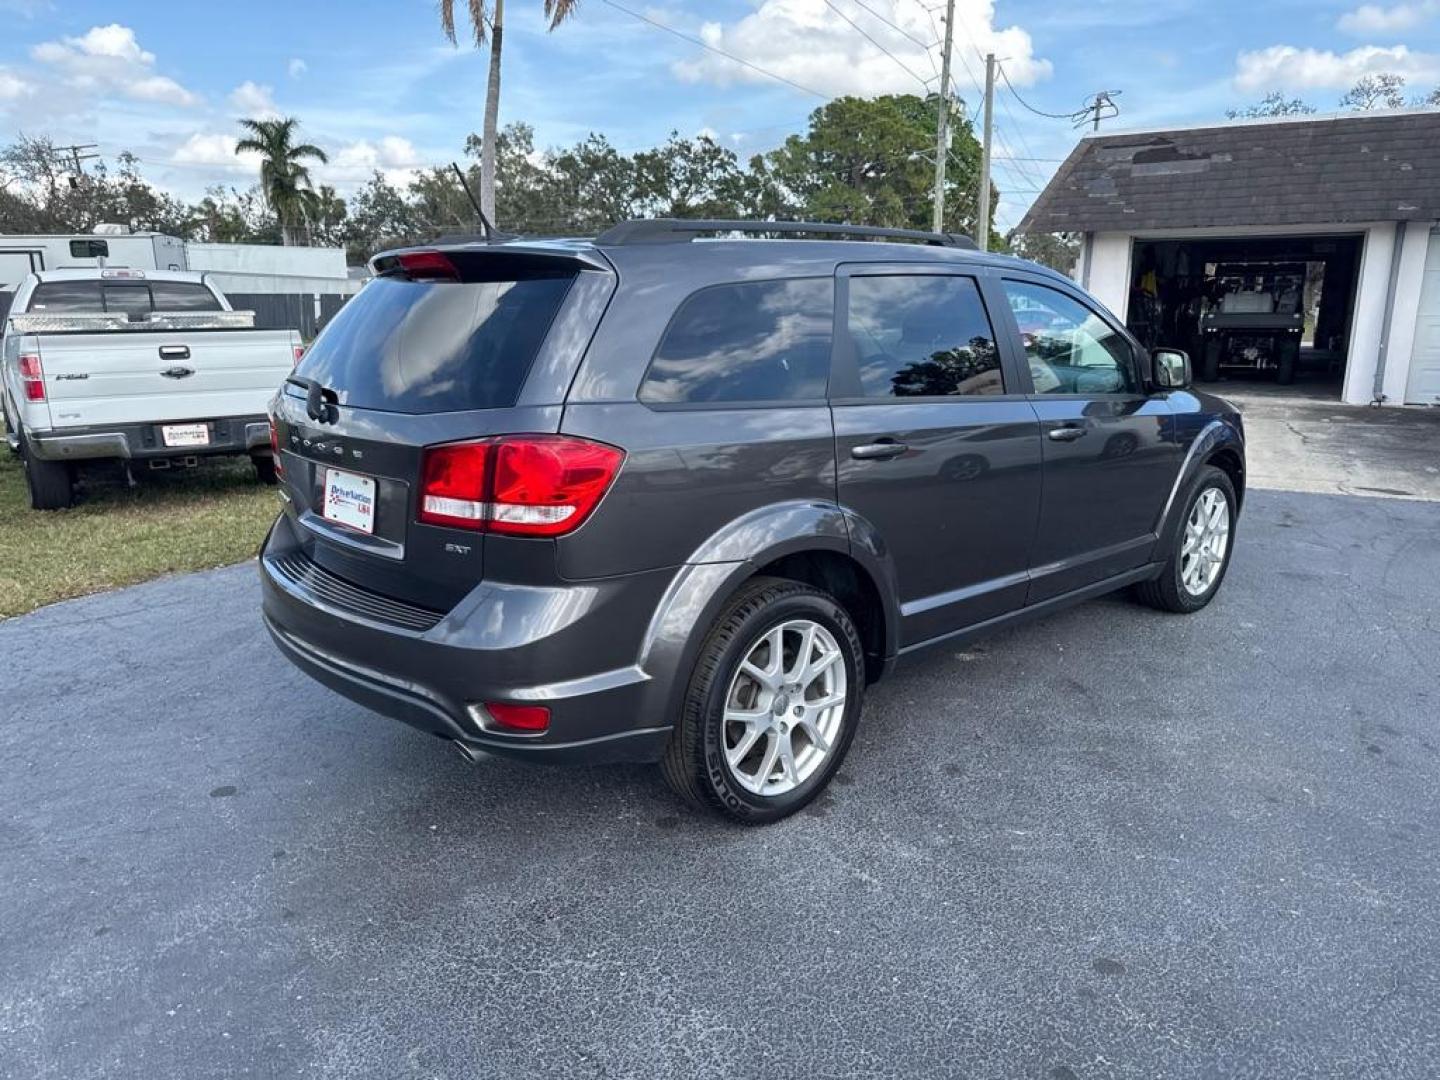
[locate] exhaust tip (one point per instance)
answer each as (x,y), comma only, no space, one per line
(469,753)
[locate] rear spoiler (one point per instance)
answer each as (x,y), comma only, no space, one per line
(106,322)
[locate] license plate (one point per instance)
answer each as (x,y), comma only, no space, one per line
(185,434)
(349,500)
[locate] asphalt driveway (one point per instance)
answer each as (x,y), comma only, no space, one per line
(1111,844)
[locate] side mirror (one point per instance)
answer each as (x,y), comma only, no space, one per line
(1170,369)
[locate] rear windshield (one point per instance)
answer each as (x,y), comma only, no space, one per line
(426,346)
(133,298)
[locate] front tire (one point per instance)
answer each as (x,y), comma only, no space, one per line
(51,483)
(772,705)
(1200,550)
(265,469)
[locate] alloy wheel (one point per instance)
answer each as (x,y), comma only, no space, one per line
(1207,539)
(785,707)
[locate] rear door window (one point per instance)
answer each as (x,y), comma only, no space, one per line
(922,336)
(435,346)
(751,341)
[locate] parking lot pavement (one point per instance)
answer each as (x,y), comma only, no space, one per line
(1111,844)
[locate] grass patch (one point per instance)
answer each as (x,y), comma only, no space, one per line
(187,519)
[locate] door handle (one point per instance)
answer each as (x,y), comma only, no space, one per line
(880,450)
(174,352)
(1066,434)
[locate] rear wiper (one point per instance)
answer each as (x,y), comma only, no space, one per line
(321,403)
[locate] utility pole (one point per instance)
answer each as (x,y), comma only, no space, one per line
(1101,107)
(982,229)
(942,128)
(77,159)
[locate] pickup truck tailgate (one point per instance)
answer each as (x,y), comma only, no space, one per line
(117,378)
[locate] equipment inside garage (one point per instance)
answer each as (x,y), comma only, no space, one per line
(1272,308)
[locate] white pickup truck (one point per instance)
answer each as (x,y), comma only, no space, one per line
(142,365)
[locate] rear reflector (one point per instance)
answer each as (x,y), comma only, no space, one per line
(530,719)
(32,376)
(519,485)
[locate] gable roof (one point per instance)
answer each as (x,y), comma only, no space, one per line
(1316,170)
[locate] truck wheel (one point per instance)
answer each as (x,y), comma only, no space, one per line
(264,468)
(1200,551)
(1285,372)
(51,483)
(772,705)
(1210,371)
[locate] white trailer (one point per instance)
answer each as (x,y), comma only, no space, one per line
(22,255)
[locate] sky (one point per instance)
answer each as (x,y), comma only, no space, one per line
(375,83)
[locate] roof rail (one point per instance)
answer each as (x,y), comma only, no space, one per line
(681,231)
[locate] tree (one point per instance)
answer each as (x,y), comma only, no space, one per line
(284,177)
(41,192)
(1272,104)
(1383,91)
(870,162)
(490,25)
(1055,250)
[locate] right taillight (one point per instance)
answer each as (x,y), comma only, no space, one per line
(275,448)
(519,485)
(32,376)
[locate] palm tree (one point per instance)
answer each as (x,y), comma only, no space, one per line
(487,21)
(284,178)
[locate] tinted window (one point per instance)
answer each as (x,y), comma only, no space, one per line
(89,249)
(132,300)
(758,341)
(919,336)
(67,296)
(182,296)
(421,346)
(1070,348)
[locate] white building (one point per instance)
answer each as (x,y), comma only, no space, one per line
(1349,204)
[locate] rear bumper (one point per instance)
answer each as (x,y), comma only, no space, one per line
(228,435)
(508,643)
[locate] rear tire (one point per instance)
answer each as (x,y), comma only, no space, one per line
(264,468)
(1183,585)
(1210,368)
(721,763)
(51,483)
(1285,372)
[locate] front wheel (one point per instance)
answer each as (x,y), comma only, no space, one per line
(772,705)
(1200,551)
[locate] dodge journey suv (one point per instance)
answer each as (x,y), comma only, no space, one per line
(679,494)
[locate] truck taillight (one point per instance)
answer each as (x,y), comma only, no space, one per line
(518,485)
(32,376)
(299,355)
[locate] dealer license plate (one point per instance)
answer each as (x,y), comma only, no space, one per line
(349,500)
(185,434)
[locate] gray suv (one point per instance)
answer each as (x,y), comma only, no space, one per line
(680,495)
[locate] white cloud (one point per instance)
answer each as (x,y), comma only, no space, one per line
(297,67)
(808,43)
(162,89)
(12,87)
(110,59)
(215,150)
(1373,19)
(254,100)
(1288,67)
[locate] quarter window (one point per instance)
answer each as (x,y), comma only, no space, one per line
(753,341)
(922,336)
(1071,349)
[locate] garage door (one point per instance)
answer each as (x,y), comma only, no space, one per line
(1423,385)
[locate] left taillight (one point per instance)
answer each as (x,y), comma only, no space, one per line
(32,376)
(517,485)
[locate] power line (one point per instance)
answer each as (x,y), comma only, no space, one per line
(924,83)
(1071,116)
(715,49)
